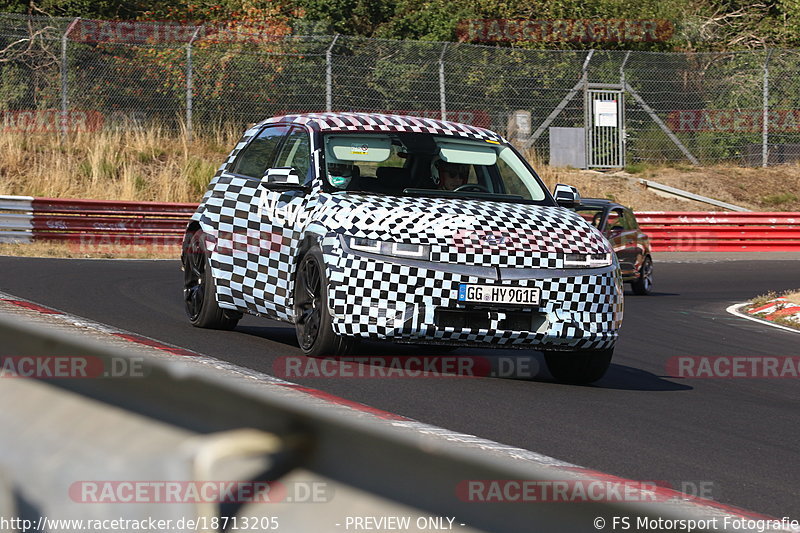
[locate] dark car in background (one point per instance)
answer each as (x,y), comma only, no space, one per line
(631,245)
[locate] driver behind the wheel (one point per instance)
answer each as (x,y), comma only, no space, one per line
(452,175)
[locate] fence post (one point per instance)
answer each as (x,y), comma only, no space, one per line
(442,99)
(624,131)
(64,81)
(189,84)
(329,75)
(765,117)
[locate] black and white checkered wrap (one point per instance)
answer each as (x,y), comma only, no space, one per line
(373,122)
(253,257)
(469,232)
(384,299)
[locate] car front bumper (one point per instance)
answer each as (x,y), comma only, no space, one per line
(415,301)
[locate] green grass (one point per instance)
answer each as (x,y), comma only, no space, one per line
(636,168)
(779,199)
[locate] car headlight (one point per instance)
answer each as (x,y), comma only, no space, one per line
(394,249)
(588,260)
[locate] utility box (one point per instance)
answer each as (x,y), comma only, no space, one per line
(519,127)
(568,147)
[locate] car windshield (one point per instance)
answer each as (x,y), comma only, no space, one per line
(421,164)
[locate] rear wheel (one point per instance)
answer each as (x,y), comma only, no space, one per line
(580,367)
(198,288)
(644,285)
(313,322)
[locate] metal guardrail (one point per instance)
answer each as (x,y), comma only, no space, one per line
(680,193)
(178,420)
(95,222)
(722,232)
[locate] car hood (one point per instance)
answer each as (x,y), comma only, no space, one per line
(466,231)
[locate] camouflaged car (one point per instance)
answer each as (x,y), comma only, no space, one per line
(406,229)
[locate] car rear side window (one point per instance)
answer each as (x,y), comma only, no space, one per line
(296,153)
(630,220)
(615,220)
(257,157)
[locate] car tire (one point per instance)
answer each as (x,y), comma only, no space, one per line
(579,368)
(313,321)
(644,285)
(199,295)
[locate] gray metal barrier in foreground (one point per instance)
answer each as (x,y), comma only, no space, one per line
(183,423)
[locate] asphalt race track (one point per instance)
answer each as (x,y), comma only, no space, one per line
(737,438)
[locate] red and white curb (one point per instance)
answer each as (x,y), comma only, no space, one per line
(778,308)
(561,469)
(771,310)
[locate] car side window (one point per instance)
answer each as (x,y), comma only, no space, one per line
(296,153)
(257,157)
(615,220)
(630,220)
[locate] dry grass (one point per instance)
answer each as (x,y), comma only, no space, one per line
(77,251)
(759,189)
(149,165)
(762,299)
(158,165)
(793,296)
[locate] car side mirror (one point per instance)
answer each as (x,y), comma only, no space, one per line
(566,195)
(282,176)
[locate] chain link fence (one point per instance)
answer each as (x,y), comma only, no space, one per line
(68,75)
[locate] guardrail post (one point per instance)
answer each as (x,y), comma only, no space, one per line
(765,117)
(189,86)
(64,82)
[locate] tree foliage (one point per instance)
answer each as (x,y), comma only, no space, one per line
(699,25)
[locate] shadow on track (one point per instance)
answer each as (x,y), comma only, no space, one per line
(409,360)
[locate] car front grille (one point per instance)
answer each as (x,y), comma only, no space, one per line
(516,320)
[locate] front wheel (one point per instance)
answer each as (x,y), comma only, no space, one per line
(644,285)
(198,288)
(312,320)
(580,367)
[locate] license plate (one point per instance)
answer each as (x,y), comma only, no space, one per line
(498,294)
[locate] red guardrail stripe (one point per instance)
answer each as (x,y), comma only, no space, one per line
(103,239)
(107,224)
(182,215)
(722,233)
(647,219)
(689,241)
(752,214)
(720,247)
(62,205)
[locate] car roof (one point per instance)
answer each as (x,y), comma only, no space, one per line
(600,202)
(377,122)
